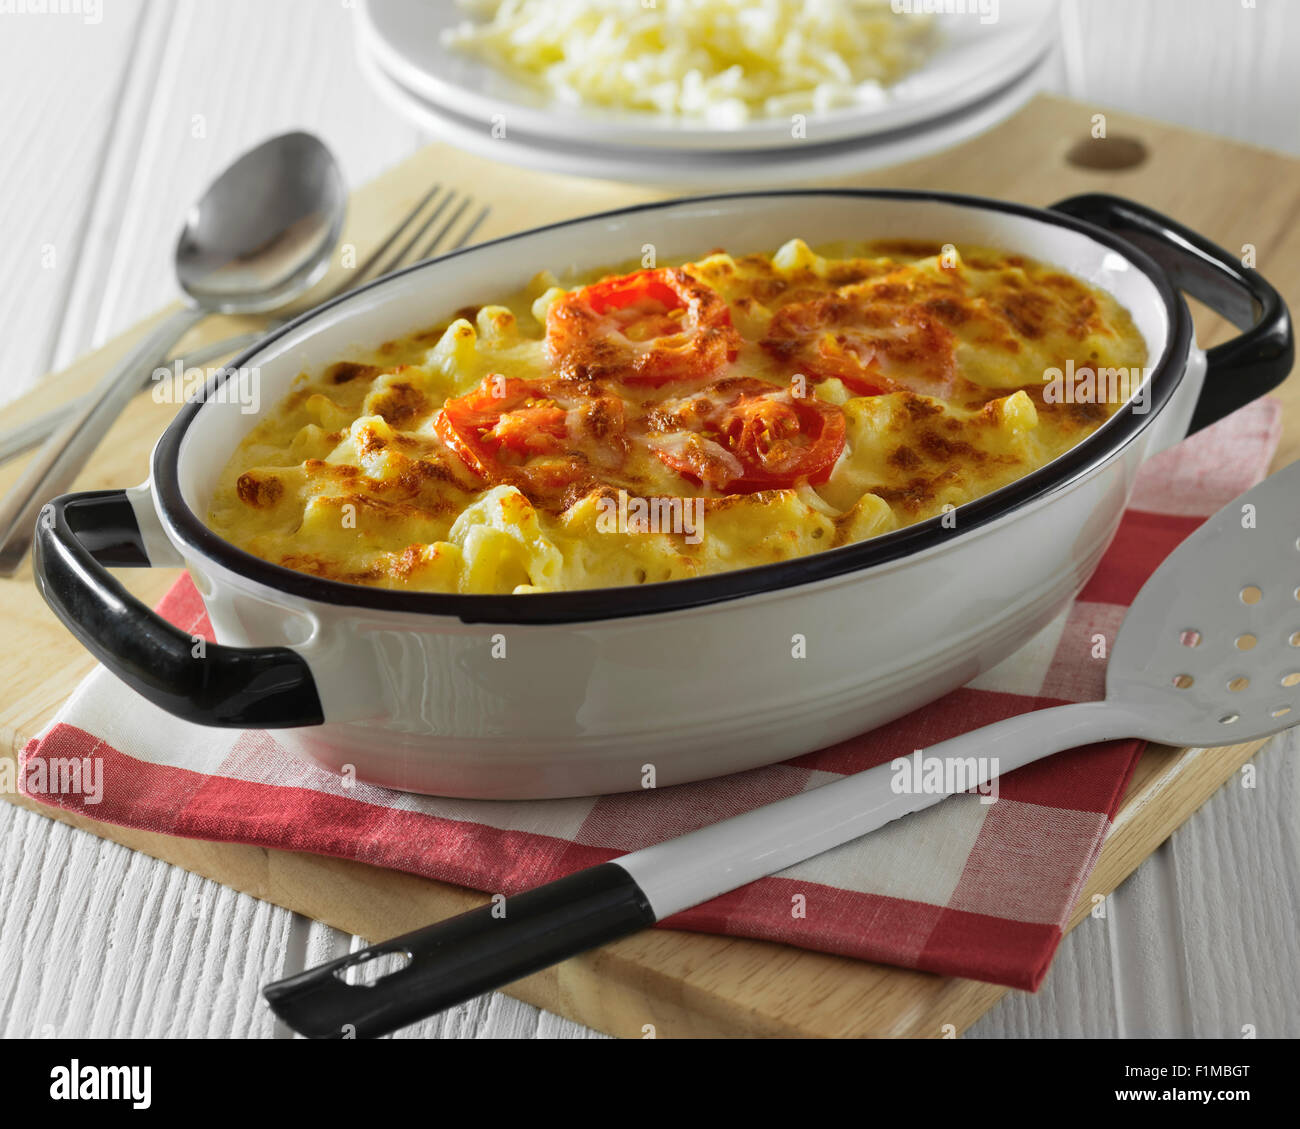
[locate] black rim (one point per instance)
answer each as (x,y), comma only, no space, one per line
(673,595)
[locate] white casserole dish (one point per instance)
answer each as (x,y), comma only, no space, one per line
(696,678)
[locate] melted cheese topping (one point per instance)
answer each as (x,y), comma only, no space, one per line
(351,479)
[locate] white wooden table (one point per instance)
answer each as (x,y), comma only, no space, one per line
(111,127)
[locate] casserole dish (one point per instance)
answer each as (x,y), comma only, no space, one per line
(606,690)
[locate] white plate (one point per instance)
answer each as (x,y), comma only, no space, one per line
(797,163)
(972,61)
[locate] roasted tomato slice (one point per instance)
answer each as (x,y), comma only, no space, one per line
(651,327)
(538,436)
(871,346)
(745,435)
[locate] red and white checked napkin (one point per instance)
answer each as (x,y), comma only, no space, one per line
(964,888)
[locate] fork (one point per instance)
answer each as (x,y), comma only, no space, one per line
(16,440)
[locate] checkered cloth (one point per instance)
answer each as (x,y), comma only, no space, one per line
(964,888)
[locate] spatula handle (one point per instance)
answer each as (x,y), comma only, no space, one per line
(462,957)
(683,872)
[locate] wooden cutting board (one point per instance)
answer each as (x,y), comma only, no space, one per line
(690,984)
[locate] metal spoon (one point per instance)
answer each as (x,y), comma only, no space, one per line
(261,234)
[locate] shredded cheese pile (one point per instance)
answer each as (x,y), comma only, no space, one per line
(720,62)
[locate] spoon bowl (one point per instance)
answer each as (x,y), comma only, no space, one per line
(263,231)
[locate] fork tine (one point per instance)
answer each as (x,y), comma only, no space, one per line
(401,257)
(357,275)
(473,227)
(441,233)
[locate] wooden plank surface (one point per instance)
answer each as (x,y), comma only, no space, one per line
(1118,53)
(686,983)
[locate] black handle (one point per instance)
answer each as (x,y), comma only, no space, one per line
(244,687)
(463,957)
(1240,370)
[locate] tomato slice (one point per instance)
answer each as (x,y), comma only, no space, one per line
(853,362)
(872,346)
(651,327)
(537,436)
(782,441)
(534,428)
(755,437)
(494,416)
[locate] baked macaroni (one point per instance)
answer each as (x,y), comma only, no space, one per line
(676,421)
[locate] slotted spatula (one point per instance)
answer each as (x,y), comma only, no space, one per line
(1209,654)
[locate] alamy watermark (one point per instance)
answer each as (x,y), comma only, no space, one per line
(90,11)
(1088,385)
(986,10)
(921,775)
(627,514)
(84,1082)
(178,384)
(55,776)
